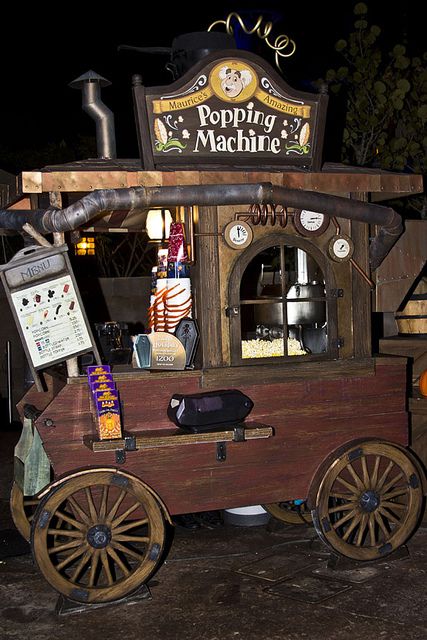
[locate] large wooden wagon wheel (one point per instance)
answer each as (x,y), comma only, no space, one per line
(22,509)
(369,501)
(289,512)
(98,535)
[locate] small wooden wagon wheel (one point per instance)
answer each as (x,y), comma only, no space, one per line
(289,512)
(369,501)
(98,535)
(22,509)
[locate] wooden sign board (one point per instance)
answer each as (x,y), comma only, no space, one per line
(230,109)
(46,306)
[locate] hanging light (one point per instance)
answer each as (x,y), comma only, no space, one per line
(85,246)
(158,224)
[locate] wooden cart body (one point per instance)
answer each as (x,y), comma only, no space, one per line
(311,414)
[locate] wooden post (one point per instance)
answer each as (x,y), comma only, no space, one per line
(55,200)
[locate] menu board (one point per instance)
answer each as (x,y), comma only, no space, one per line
(51,321)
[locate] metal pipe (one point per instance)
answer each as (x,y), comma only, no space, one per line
(90,84)
(139,198)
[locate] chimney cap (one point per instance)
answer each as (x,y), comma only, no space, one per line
(89,76)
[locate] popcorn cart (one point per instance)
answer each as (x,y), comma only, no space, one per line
(270,394)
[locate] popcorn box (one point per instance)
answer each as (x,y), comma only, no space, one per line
(107,414)
(103,378)
(97,370)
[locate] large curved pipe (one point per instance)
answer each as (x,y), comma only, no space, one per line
(106,200)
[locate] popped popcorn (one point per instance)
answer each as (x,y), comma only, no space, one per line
(267,349)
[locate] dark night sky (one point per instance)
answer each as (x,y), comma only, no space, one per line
(43,49)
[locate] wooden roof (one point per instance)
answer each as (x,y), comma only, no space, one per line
(89,175)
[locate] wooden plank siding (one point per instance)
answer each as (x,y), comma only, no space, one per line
(310,418)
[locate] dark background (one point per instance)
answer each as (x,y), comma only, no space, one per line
(43,48)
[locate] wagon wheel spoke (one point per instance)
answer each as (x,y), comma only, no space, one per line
(64,547)
(344,519)
(380,523)
(111,552)
(355,522)
(368,507)
(74,523)
(131,525)
(126,551)
(365,473)
(346,484)
(106,567)
(395,494)
(77,509)
(124,515)
(393,505)
(350,497)
(389,516)
(372,537)
(110,515)
(359,483)
(92,509)
(341,507)
(80,566)
(392,483)
(374,477)
(94,567)
(68,533)
(122,538)
(98,536)
(103,504)
(362,529)
(385,475)
(70,558)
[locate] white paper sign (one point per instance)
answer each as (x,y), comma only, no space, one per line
(51,321)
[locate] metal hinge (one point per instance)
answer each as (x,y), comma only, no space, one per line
(221,451)
(338,343)
(336,293)
(130,445)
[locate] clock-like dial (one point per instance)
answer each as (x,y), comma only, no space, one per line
(341,248)
(238,234)
(310,223)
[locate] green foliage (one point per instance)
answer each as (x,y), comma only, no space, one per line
(386,100)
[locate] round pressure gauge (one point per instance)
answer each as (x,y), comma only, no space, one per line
(238,234)
(310,223)
(341,248)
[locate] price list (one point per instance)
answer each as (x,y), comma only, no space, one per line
(51,321)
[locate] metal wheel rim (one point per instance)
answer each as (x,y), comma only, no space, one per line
(98,536)
(369,501)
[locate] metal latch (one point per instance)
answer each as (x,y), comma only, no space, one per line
(130,445)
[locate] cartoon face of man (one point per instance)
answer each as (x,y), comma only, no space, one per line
(234,81)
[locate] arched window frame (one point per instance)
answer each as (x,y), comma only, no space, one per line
(279,240)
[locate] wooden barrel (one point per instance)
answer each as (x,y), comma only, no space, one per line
(412,319)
